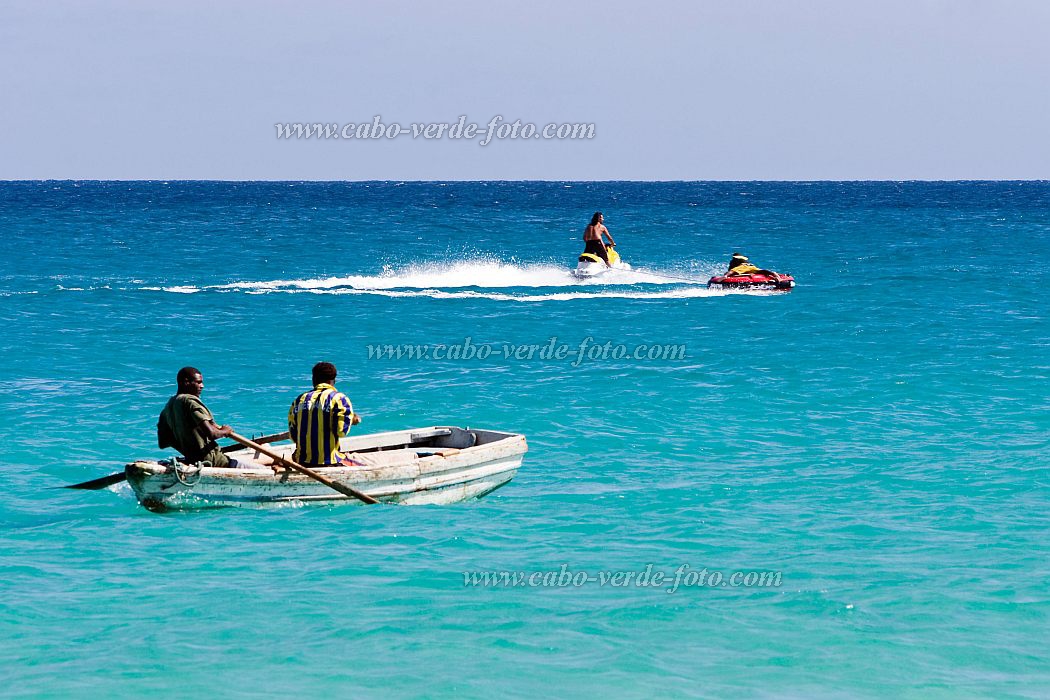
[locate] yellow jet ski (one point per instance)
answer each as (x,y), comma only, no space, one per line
(590,265)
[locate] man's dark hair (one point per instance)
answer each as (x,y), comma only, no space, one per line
(324,373)
(186,374)
(594,219)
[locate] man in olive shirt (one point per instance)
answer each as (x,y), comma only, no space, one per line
(187,425)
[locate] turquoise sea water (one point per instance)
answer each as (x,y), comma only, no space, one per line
(879,436)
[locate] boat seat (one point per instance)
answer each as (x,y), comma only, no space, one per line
(457,438)
(385,458)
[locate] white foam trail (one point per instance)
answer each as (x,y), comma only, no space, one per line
(447,280)
(684,293)
(488,274)
(473,273)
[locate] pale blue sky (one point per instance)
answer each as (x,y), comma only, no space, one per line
(733,89)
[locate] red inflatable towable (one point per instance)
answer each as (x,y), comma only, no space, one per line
(756,280)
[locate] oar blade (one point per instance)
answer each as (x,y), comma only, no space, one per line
(100,483)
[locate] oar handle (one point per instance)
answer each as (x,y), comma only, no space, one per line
(341,488)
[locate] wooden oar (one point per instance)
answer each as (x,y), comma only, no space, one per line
(341,488)
(100,483)
(116,478)
(262,441)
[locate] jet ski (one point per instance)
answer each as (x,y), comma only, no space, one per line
(767,281)
(590,265)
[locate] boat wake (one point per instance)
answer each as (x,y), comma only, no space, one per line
(483,279)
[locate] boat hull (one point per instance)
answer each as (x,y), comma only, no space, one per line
(398,467)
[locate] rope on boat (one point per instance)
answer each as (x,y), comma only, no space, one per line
(185,475)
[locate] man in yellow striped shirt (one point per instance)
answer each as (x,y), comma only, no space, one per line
(318,418)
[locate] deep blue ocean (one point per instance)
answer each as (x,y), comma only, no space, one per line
(879,437)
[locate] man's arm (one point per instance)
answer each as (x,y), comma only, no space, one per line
(205,422)
(345,416)
(211,431)
(292,420)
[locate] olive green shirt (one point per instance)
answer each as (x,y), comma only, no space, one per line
(177,428)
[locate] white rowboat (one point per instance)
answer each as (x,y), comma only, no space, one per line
(434,465)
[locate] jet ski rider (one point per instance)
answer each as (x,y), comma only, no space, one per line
(592,238)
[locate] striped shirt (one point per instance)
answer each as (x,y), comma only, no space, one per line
(316,420)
